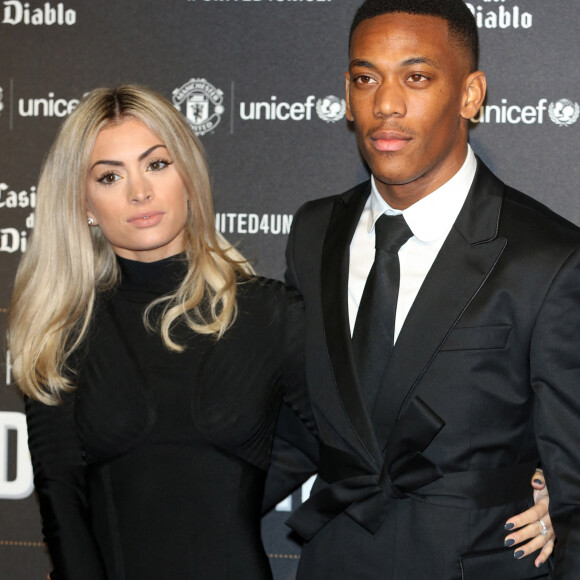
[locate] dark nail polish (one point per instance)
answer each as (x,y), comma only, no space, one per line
(509,543)
(519,554)
(509,526)
(540,564)
(538,481)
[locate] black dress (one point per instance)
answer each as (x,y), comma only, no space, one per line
(154,467)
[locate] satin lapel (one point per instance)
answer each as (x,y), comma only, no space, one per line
(466,259)
(334,287)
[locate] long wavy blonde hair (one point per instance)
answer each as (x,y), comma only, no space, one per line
(67,262)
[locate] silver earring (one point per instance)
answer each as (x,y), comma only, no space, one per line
(91,221)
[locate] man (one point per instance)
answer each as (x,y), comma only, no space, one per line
(425,455)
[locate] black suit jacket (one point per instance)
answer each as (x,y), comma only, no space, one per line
(482,384)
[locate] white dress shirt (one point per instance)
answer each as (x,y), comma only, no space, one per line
(430,219)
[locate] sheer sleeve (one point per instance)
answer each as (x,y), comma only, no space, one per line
(59,478)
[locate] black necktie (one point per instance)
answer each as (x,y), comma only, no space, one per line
(373,336)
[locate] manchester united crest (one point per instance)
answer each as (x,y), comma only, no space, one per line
(201,103)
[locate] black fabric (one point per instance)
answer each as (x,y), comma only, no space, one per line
(155,466)
(373,337)
(507,279)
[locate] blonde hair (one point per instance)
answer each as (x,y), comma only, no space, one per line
(67,262)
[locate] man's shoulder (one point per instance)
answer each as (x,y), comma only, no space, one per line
(520,209)
(322,205)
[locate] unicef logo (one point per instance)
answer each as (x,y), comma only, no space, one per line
(564,112)
(331,109)
(203,104)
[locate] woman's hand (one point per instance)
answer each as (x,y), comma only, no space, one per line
(528,525)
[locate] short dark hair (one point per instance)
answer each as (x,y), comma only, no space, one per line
(460,20)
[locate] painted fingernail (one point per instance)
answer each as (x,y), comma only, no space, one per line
(518,554)
(538,481)
(509,543)
(509,526)
(539,564)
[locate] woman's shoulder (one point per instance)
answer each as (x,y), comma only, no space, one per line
(261,303)
(262,283)
(258,289)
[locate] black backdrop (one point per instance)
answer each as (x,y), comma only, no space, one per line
(263,81)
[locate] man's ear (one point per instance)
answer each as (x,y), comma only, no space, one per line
(474,94)
(347,96)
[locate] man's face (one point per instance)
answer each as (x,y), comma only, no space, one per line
(409,92)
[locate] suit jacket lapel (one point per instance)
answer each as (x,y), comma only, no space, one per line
(334,287)
(466,259)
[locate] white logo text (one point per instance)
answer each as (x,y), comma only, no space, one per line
(16,12)
(501,18)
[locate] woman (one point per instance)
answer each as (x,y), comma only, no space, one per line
(153,467)
(150,355)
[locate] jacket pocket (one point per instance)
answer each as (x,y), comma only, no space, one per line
(500,564)
(478,338)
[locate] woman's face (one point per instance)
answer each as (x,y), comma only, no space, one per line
(135,194)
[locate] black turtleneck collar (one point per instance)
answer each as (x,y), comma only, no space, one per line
(157,278)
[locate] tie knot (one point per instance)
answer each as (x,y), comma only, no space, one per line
(391,232)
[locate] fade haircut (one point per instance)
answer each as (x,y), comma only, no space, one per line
(460,20)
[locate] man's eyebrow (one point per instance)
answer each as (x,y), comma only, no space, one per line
(361,63)
(420,60)
(407,62)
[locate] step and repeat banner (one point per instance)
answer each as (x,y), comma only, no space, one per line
(261,82)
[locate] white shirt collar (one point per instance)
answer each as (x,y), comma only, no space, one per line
(432,216)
